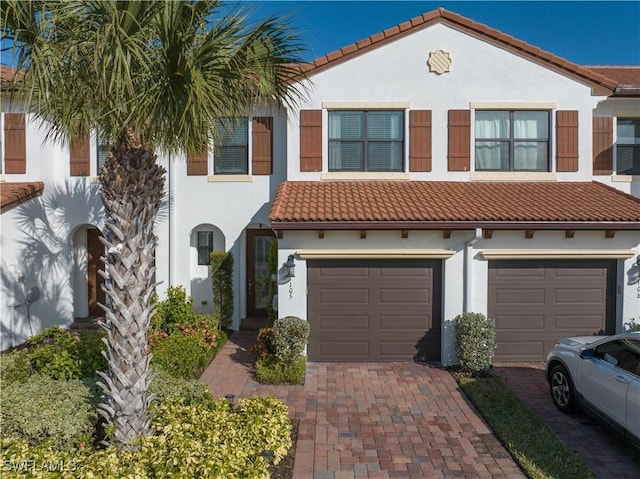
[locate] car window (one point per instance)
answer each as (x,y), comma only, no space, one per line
(622,353)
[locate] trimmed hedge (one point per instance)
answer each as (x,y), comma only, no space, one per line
(222,282)
(476,342)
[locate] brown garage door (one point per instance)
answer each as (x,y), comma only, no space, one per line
(373,310)
(535,303)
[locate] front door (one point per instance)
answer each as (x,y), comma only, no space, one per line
(258,246)
(95,249)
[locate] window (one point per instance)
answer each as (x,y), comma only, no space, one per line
(512,140)
(366,140)
(231,157)
(205,247)
(623,353)
(102,151)
(628,146)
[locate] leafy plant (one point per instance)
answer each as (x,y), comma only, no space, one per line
(208,441)
(180,354)
(476,342)
(45,409)
(265,342)
(166,386)
(222,282)
(290,338)
(272,370)
(90,348)
(55,353)
(175,310)
(15,366)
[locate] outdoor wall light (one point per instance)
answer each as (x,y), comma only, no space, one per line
(290,267)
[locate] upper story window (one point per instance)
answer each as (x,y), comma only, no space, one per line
(232,156)
(366,140)
(512,140)
(102,151)
(628,146)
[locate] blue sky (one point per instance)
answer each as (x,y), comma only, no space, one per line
(584,32)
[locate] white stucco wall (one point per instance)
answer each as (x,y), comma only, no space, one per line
(292,296)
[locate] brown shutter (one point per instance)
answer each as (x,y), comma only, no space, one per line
(262,146)
(603,146)
(311,140)
(15,143)
(197,164)
(420,140)
(459,140)
(567,140)
(79,160)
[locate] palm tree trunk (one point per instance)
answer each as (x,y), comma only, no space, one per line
(132,187)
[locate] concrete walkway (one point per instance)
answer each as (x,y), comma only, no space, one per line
(372,420)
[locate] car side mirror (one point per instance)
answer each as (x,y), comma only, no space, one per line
(586,353)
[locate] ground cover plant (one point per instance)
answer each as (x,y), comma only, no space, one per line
(534,445)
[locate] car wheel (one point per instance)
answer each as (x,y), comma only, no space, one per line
(562,391)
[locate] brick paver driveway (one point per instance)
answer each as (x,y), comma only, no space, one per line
(607,454)
(392,420)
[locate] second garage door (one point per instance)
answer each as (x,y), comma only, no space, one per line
(373,310)
(537,302)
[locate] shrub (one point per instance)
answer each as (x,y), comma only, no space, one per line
(54,352)
(177,309)
(212,441)
(222,283)
(90,347)
(45,409)
(15,366)
(165,386)
(271,370)
(265,342)
(291,335)
(476,342)
(180,354)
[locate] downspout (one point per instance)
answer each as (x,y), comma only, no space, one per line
(170,226)
(468,262)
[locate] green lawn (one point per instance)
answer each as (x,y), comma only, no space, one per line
(533,444)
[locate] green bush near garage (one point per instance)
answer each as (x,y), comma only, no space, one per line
(475,342)
(280,350)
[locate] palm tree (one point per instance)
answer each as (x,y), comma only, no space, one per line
(149,76)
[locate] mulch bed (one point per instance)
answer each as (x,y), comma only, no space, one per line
(284,470)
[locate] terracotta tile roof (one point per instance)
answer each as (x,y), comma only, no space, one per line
(601,84)
(13,194)
(452,205)
(6,75)
(627,78)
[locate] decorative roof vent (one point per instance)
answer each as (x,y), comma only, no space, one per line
(439,62)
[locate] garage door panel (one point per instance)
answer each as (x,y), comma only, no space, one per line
(404,296)
(578,297)
(518,350)
(402,305)
(352,296)
(332,350)
(393,322)
(568,322)
(342,322)
(520,323)
(520,296)
(572,298)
